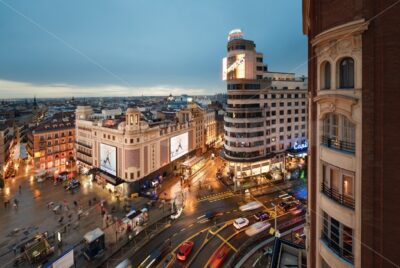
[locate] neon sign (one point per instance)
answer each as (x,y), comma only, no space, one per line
(235,34)
(300,146)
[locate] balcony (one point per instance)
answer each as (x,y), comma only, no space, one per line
(84,144)
(345,252)
(333,143)
(344,200)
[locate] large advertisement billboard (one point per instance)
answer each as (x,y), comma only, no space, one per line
(235,63)
(108,158)
(179,145)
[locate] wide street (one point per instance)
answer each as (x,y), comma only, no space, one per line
(208,235)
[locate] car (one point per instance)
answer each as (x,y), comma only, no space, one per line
(184,250)
(213,214)
(299,210)
(219,256)
(250,206)
(287,206)
(261,216)
(156,256)
(240,223)
(257,227)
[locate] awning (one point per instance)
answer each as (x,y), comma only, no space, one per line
(114,180)
(93,235)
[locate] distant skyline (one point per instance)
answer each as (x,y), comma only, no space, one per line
(134,47)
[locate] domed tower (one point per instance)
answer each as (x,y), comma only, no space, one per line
(132,118)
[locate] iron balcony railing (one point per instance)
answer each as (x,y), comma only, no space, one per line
(84,152)
(338,197)
(345,252)
(338,144)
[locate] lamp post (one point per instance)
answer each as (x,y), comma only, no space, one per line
(277,234)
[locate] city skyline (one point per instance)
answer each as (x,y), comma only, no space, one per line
(48,54)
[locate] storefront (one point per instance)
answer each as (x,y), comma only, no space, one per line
(112,183)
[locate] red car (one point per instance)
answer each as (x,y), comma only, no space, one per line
(219,256)
(184,250)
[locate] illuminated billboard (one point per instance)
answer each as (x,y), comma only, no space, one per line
(179,145)
(108,159)
(238,66)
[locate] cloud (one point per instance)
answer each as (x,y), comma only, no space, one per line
(13,89)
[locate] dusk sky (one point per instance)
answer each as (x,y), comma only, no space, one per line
(54,48)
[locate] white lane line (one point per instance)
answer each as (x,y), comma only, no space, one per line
(183,229)
(191,225)
(202,216)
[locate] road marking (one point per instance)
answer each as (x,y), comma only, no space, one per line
(191,225)
(203,221)
(226,242)
(175,234)
(235,210)
(184,229)
(202,216)
(228,212)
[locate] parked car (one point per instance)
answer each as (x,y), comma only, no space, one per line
(240,223)
(261,216)
(257,227)
(250,206)
(212,214)
(184,250)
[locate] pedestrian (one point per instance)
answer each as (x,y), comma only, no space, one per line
(20,189)
(5,203)
(90,203)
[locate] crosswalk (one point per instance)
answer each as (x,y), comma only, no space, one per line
(216,197)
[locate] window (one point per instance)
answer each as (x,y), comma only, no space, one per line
(289,120)
(325,75)
(338,184)
(281,104)
(281,112)
(273,122)
(338,237)
(281,129)
(281,121)
(259,59)
(339,132)
(346,73)
(259,68)
(273,104)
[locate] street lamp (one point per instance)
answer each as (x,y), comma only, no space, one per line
(277,234)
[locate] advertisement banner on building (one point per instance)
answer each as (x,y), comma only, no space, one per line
(179,146)
(108,159)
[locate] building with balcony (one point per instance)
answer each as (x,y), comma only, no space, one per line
(353,104)
(266,113)
(6,138)
(126,151)
(51,144)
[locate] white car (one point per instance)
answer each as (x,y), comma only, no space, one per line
(250,206)
(257,227)
(239,223)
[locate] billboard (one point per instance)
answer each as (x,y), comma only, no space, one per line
(108,159)
(238,66)
(179,145)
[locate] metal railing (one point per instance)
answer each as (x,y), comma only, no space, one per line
(338,197)
(84,152)
(346,254)
(84,144)
(334,143)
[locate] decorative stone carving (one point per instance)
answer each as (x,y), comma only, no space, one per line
(331,107)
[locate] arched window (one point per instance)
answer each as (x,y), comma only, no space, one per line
(346,73)
(326,75)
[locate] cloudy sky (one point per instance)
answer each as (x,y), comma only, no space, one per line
(56,48)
